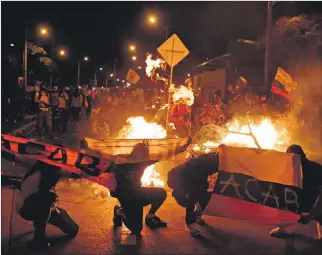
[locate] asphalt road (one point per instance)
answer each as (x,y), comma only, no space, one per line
(98,236)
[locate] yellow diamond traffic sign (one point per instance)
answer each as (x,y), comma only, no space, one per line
(173,50)
(132,77)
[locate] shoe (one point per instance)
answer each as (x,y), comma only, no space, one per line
(39,244)
(193,229)
(155,222)
(279,233)
(200,221)
(117,219)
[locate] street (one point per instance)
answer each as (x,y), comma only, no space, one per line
(97,235)
(209,112)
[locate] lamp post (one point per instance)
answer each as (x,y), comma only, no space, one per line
(78,69)
(153,20)
(100,69)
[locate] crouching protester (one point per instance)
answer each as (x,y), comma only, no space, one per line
(189,182)
(311,198)
(133,197)
(37,202)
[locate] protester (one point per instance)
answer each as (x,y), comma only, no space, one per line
(87,102)
(133,197)
(189,182)
(62,111)
(311,196)
(77,100)
(43,116)
(37,202)
(231,94)
(180,116)
(54,105)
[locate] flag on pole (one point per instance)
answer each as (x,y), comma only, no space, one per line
(256,185)
(132,77)
(285,79)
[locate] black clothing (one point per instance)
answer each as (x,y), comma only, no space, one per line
(192,183)
(133,197)
(312,179)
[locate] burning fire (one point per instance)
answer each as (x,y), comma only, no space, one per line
(139,128)
(268,135)
(151,178)
(182,94)
(152,64)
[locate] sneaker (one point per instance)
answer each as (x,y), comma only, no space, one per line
(279,233)
(155,222)
(193,229)
(200,221)
(117,219)
(39,244)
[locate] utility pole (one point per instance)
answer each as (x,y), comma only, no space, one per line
(25,57)
(267,46)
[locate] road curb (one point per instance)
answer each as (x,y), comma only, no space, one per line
(24,130)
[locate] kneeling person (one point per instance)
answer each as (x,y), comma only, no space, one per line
(189,182)
(311,199)
(133,197)
(38,200)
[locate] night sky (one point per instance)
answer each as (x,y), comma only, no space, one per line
(103,30)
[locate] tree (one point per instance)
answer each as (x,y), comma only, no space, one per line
(39,55)
(295,41)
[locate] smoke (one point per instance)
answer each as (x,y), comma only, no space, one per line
(308,97)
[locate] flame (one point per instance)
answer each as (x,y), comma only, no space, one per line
(151,178)
(182,94)
(269,135)
(139,128)
(151,64)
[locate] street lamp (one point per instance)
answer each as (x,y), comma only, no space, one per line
(62,53)
(43,31)
(101,68)
(139,67)
(12,45)
(111,75)
(152,19)
(118,80)
(85,59)
(134,58)
(132,47)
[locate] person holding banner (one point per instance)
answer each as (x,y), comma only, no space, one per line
(37,202)
(189,182)
(311,199)
(133,197)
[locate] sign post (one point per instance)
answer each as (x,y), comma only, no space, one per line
(173,51)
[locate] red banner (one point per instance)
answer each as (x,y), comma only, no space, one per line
(16,148)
